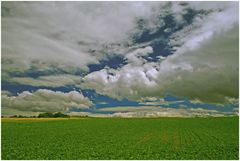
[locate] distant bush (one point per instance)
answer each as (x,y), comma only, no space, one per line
(45,115)
(52,115)
(59,114)
(18,116)
(14,116)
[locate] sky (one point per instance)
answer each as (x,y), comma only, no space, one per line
(120,58)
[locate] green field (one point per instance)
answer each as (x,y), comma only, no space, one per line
(115,138)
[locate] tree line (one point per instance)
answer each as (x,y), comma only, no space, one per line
(44,115)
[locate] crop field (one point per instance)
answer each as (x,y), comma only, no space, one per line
(118,138)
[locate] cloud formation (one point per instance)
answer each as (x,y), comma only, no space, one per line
(156,111)
(185,50)
(74,35)
(208,73)
(64,34)
(44,100)
(48,81)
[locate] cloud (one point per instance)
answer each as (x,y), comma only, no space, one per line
(6,93)
(130,108)
(129,82)
(48,81)
(64,34)
(204,66)
(232,101)
(156,111)
(70,36)
(135,57)
(160,102)
(44,100)
(208,73)
(11,112)
(214,20)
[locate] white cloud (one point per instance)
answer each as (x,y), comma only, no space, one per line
(6,93)
(135,56)
(208,73)
(46,101)
(231,100)
(47,34)
(203,28)
(62,33)
(155,111)
(48,81)
(11,112)
(130,108)
(130,81)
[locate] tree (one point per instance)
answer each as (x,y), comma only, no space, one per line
(52,115)
(59,114)
(14,116)
(45,115)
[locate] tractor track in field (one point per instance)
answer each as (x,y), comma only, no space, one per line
(145,138)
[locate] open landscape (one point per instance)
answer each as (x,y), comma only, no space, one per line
(120,138)
(123,80)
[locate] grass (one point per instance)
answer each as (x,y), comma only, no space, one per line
(115,138)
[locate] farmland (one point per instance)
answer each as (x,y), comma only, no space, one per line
(119,138)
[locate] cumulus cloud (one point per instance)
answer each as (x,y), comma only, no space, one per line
(73,35)
(11,112)
(130,82)
(208,73)
(217,15)
(44,100)
(130,108)
(48,81)
(155,111)
(204,66)
(70,36)
(7,93)
(135,57)
(64,34)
